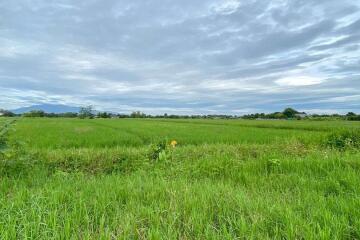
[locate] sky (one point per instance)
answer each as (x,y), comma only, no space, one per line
(181,56)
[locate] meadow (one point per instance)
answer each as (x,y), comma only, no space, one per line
(224,179)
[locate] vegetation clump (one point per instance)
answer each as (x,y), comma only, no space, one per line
(14,161)
(34,113)
(161,151)
(349,139)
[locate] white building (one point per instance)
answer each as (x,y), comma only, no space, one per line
(301,115)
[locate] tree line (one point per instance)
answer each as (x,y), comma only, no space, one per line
(290,113)
(89,113)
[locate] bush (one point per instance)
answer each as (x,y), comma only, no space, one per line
(344,140)
(158,151)
(162,150)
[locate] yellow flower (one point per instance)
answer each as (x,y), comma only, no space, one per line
(173,143)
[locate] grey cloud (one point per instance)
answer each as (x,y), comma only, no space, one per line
(275,66)
(185,56)
(278,42)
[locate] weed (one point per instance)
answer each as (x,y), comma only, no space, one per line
(162,150)
(272,164)
(344,140)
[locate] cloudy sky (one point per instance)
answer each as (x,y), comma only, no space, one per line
(181,56)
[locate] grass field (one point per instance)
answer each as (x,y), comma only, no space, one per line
(225,179)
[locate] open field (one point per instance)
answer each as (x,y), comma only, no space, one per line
(225,179)
(69,133)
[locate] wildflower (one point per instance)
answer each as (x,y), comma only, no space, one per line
(173,143)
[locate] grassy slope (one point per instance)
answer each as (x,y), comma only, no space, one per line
(246,182)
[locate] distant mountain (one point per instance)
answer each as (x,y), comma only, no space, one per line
(49,108)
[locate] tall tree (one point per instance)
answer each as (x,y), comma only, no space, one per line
(290,112)
(86,112)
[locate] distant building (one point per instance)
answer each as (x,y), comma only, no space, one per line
(301,115)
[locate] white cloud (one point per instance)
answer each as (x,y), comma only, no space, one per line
(325,111)
(343,99)
(226,7)
(296,81)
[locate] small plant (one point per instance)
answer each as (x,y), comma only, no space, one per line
(156,150)
(272,164)
(161,151)
(344,140)
(173,143)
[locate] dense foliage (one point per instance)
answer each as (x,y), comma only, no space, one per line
(344,140)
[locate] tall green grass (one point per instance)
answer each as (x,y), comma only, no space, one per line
(94,179)
(304,197)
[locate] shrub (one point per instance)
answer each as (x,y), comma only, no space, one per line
(344,140)
(157,151)
(161,151)
(272,165)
